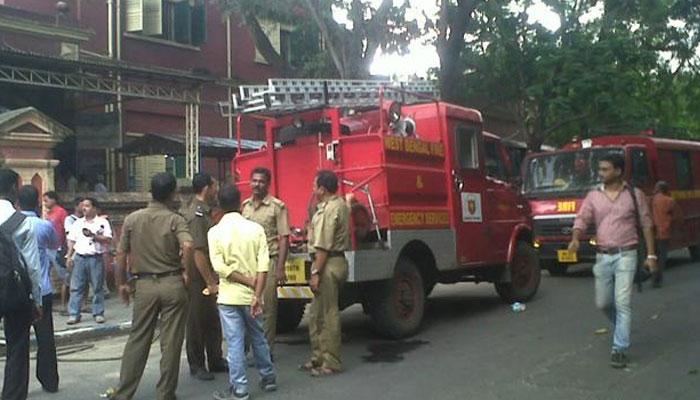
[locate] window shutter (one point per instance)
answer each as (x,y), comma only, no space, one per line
(199,23)
(153,17)
(134,15)
(272,31)
(182,22)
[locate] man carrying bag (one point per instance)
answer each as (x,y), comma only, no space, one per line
(615,210)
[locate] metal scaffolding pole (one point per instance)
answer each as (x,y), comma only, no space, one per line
(192,139)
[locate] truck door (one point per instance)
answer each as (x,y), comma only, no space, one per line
(471,222)
(501,199)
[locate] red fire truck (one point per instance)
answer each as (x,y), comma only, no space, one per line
(556,182)
(430,200)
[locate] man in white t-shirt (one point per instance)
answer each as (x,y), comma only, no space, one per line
(89,237)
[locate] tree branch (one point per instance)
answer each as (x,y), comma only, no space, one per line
(327,38)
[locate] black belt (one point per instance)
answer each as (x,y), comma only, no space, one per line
(142,275)
(615,250)
(336,254)
(89,255)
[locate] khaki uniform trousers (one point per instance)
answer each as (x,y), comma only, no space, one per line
(203,329)
(165,297)
(270,304)
(324,315)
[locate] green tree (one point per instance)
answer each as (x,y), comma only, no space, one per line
(588,77)
(347,50)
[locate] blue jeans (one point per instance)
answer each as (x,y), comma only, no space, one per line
(614,280)
(84,269)
(237,322)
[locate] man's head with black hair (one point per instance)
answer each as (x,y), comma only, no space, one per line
(260,182)
(229,199)
(90,207)
(204,185)
(163,186)
(326,183)
(50,199)
(200,182)
(611,168)
(9,181)
(28,198)
(78,206)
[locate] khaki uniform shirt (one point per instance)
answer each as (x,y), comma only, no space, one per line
(153,236)
(331,226)
(272,214)
(199,221)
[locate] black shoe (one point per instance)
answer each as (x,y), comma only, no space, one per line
(268,384)
(221,366)
(230,394)
(202,375)
(618,359)
(50,389)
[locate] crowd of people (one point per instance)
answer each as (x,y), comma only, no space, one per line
(210,276)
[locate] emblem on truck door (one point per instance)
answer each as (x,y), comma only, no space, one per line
(471,207)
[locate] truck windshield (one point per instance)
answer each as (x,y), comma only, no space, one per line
(564,173)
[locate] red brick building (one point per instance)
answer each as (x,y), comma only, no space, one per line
(114,71)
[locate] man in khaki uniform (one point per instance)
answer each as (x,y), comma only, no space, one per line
(203,326)
(271,213)
(328,240)
(157,244)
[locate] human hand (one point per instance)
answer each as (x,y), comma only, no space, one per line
(314,283)
(256,308)
(574,245)
(652,264)
(69,263)
(281,275)
(211,290)
(37,313)
(125,293)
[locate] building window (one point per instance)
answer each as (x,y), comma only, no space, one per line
(279,35)
(181,21)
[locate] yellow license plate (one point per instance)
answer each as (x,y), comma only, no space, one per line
(567,256)
(296,270)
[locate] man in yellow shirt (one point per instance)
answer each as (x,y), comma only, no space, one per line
(240,257)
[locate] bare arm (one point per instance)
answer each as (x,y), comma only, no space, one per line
(283,243)
(237,277)
(187,248)
(203,265)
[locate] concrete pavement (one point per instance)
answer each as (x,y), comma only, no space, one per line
(472,346)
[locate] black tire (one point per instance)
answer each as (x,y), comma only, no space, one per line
(289,315)
(397,305)
(525,275)
(555,268)
(694,252)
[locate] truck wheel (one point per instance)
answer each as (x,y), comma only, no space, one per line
(694,252)
(289,315)
(398,304)
(555,268)
(524,275)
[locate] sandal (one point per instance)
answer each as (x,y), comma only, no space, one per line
(323,371)
(308,366)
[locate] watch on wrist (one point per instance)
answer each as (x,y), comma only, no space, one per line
(652,257)
(314,272)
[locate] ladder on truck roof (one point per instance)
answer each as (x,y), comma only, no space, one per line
(287,95)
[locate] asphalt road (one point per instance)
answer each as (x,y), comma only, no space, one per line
(471,346)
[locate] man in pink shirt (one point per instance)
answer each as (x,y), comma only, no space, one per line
(611,208)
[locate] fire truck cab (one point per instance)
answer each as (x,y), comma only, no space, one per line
(428,190)
(555,184)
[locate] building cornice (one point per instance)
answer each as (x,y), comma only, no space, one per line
(20,25)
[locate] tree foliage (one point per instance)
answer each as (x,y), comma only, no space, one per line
(628,68)
(347,49)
